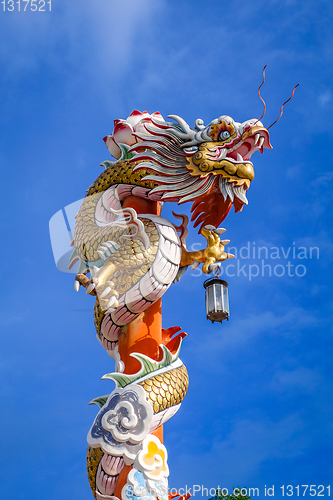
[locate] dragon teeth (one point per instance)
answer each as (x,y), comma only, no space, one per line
(223,190)
(240,192)
(261,141)
(223,154)
(256,138)
(226,189)
(229,191)
(239,157)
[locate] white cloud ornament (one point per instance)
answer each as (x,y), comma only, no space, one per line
(152,459)
(122,423)
(138,487)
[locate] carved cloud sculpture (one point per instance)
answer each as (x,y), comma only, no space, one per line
(122,423)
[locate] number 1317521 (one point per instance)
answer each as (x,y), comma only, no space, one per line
(25,5)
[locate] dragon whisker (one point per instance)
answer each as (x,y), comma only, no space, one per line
(262,83)
(282,107)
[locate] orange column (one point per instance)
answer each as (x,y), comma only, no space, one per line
(142,335)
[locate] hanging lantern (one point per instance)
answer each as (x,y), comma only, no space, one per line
(217,303)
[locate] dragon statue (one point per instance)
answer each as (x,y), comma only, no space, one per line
(132,256)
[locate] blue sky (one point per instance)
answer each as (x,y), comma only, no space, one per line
(258,411)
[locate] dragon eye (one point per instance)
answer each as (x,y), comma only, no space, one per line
(225,134)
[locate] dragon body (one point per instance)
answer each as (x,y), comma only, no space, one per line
(133,255)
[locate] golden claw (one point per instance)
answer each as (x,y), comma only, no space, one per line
(214,252)
(106,293)
(83,280)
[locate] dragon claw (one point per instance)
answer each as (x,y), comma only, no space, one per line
(212,255)
(91,287)
(113,302)
(108,297)
(220,230)
(195,264)
(110,310)
(213,267)
(106,291)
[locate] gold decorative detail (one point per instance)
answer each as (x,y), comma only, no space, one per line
(217,128)
(156,389)
(254,130)
(201,164)
(166,389)
(214,252)
(152,459)
(94,456)
(89,236)
(125,266)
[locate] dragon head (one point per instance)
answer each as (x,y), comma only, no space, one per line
(222,150)
(207,165)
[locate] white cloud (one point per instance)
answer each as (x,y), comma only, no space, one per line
(301,379)
(324,98)
(80,34)
(318,290)
(252,442)
(9,319)
(323,180)
(322,240)
(294,173)
(249,444)
(244,330)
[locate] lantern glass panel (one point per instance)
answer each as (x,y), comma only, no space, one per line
(218,297)
(210,299)
(225,299)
